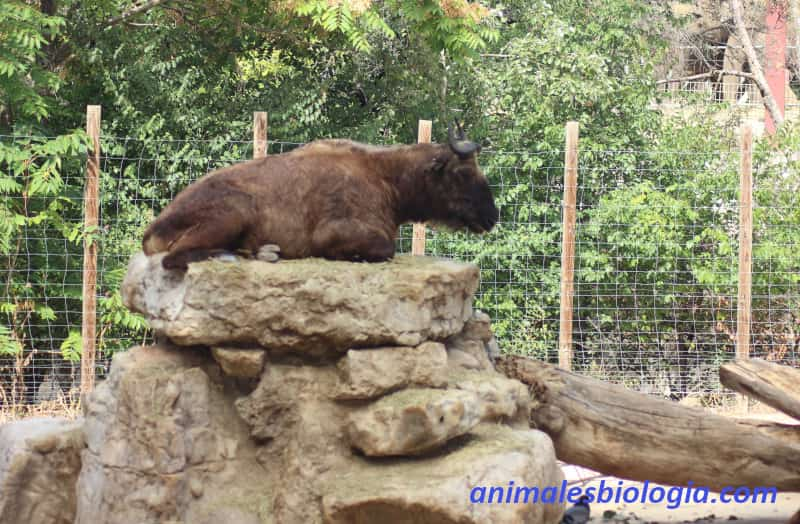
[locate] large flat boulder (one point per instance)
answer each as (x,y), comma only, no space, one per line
(439,489)
(308,306)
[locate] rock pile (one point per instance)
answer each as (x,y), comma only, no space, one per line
(308,391)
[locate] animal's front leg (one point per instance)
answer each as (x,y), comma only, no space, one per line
(351,240)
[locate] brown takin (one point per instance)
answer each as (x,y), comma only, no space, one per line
(335,199)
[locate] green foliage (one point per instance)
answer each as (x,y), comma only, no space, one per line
(570,60)
(72,346)
(37,202)
(23,79)
(178,83)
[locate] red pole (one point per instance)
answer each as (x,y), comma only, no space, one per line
(775,56)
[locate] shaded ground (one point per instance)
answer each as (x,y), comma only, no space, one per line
(751,513)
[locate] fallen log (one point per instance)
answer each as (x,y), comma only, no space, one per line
(622,433)
(775,385)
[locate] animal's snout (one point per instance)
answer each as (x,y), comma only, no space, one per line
(494,217)
(489,217)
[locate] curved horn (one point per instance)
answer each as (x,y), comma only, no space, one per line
(459,143)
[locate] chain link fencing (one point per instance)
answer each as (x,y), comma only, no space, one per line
(656,260)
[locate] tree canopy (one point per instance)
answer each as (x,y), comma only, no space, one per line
(178,81)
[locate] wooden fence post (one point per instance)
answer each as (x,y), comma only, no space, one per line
(259,134)
(91,207)
(743,308)
(418,238)
(568,246)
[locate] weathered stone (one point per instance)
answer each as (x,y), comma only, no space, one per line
(301,435)
(242,363)
(39,465)
(501,398)
(437,490)
(303,306)
(468,351)
(478,327)
(369,373)
(461,359)
(158,426)
(175,436)
(273,408)
(413,421)
(492,349)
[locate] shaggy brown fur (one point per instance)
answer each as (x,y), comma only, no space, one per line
(331,198)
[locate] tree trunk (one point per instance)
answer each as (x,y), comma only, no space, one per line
(774,385)
(755,64)
(794,15)
(618,432)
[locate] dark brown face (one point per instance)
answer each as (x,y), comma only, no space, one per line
(470,200)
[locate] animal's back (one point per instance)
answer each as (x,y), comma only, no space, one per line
(274,200)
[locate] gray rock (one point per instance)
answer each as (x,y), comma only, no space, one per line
(175,436)
(39,465)
(160,426)
(501,398)
(478,327)
(413,421)
(369,373)
(469,348)
(303,306)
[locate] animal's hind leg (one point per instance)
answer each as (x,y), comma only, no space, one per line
(204,241)
(351,240)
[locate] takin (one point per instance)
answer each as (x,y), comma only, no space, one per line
(335,199)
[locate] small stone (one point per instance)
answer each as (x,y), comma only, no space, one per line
(476,340)
(501,398)
(242,363)
(413,421)
(196,486)
(369,373)
(478,327)
(269,253)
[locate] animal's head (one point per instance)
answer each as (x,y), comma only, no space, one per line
(468,200)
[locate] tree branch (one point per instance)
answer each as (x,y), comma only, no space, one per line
(135,10)
(755,65)
(710,74)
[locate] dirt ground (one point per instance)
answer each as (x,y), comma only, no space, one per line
(751,513)
(778,513)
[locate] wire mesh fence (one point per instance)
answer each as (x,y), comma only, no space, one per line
(655,261)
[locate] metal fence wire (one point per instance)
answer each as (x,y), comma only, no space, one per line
(656,260)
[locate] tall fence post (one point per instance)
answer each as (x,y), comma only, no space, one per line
(568,246)
(418,237)
(743,309)
(259,134)
(91,207)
